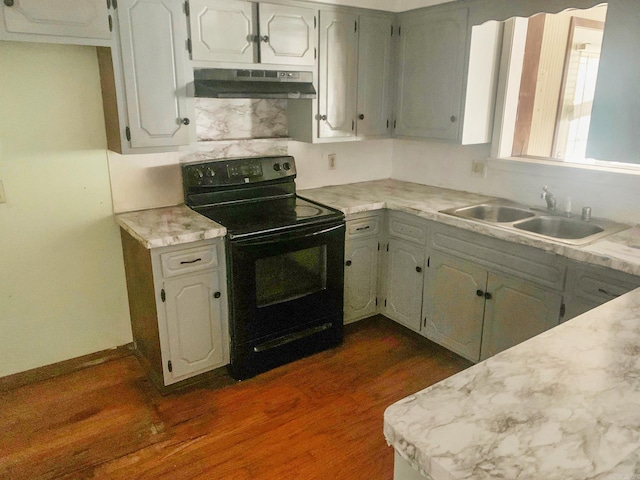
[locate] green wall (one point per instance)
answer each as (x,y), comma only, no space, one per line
(62,286)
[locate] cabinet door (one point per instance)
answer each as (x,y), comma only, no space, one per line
(287,35)
(454,305)
(153,35)
(431,67)
(223,30)
(516,311)
(194,306)
(405,263)
(360,279)
(374,75)
(65,18)
(337,88)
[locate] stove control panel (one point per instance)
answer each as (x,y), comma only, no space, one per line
(238,171)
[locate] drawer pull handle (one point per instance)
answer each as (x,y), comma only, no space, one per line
(217,295)
(348,263)
(359,229)
(480,293)
(184,262)
(418,269)
(488,296)
(602,290)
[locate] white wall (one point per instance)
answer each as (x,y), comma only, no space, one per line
(610,195)
(62,285)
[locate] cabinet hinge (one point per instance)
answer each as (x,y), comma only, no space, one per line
(394,124)
(428,262)
(399,29)
(315,53)
(110,23)
(127,133)
(563,310)
(108,4)
(392,30)
(387,123)
(186,9)
(353,124)
(315,22)
(355,26)
(189,45)
(378,246)
(163,295)
(115,4)
(387,247)
(385,302)
(376,301)
(170,366)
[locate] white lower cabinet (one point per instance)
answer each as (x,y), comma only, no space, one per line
(362,249)
(360,279)
(516,310)
(178,306)
(454,305)
(405,271)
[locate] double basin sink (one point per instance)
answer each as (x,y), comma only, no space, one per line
(549,225)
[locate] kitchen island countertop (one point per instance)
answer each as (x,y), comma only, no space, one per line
(564,405)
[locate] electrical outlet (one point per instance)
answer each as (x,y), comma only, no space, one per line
(332,161)
(2,197)
(479,168)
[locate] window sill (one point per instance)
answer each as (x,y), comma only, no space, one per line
(598,166)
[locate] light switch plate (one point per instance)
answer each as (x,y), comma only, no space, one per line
(479,168)
(332,161)
(2,197)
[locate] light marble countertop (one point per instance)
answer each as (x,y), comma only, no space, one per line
(162,227)
(619,251)
(564,405)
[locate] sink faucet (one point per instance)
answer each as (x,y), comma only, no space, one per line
(549,198)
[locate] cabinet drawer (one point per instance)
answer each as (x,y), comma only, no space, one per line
(363,227)
(600,284)
(189,260)
(408,227)
(519,260)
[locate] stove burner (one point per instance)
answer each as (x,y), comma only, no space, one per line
(307,211)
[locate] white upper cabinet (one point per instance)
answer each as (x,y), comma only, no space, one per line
(374,75)
(66,19)
(228,31)
(431,66)
(153,36)
(287,35)
(337,87)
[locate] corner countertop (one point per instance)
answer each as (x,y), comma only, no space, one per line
(162,227)
(620,251)
(564,405)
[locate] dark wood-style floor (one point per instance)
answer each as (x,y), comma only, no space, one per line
(317,418)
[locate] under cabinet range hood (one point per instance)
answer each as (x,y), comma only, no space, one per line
(225,83)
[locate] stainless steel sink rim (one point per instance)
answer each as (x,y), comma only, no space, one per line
(539,223)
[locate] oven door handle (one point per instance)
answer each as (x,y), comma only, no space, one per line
(285,237)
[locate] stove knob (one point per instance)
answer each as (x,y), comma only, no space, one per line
(210,172)
(196,174)
(286,166)
(276,167)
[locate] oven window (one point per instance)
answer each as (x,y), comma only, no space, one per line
(292,275)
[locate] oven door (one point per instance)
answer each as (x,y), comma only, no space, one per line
(285,283)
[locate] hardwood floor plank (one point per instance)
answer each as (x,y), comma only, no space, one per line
(317,418)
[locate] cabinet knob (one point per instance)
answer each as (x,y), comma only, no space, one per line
(185,121)
(321,117)
(480,293)
(488,296)
(348,263)
(217,295)
(8,3)
(418,269)
(453,119)
(361,116)
(265,38)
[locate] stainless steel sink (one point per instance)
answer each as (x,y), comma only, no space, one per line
(515,217)
(489,212)
(559,227)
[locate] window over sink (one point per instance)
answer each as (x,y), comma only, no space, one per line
(549,72)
